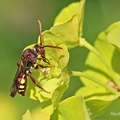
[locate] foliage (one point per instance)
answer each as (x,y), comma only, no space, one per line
(100,77)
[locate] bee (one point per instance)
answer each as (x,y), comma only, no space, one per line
(28,60)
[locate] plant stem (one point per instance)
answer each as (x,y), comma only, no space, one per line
(84,43)
(81,74)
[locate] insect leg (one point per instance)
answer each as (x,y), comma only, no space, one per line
(34,81)
(39,65)
(18,64)
(44,59)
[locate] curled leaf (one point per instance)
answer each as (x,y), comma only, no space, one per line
(68,25)
(114,37)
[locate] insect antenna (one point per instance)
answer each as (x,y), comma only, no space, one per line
(52,46)
(41,39)
(40,27)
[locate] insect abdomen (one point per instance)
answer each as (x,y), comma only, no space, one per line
(22,81)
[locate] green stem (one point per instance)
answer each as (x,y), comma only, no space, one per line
(81,74)
(84,43)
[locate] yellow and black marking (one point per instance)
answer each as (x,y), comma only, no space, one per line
(22,84)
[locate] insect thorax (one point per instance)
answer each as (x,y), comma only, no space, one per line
(29,55)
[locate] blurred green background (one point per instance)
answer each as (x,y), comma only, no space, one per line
(19,28)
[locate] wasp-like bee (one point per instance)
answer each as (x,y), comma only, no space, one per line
(28,60)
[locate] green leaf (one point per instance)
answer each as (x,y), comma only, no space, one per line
(67,29)
(97,107)
(69,11)
(72,108)
(66,33)
(57,94)
(27,116)
(114,36)
(94,66)
(112,112)
(99,100)
(99,93)
(94,93)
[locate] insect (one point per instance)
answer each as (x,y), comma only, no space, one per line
(29,60)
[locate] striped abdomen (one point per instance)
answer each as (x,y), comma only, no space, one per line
(22,83)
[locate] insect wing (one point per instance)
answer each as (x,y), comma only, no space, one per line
(14,87)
